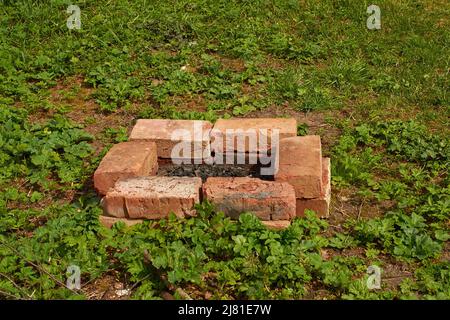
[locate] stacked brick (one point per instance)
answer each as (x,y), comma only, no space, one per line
(126,177)
(268,200)
(301,165)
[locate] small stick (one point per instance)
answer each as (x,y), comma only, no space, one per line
(40,269)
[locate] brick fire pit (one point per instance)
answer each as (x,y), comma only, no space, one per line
(239,165)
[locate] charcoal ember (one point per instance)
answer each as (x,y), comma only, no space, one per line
(205,171)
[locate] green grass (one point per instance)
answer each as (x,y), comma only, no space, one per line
(384,93)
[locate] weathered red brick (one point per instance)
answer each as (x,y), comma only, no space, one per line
(108,222)
(257,130)
(277,225)
(192,134)
(125,160)
(268,200)
(300,164)
(153,197)
(321,204)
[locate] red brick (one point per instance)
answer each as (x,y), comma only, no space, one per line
(168,133)
(268,200)
(257,128)
(153,197)
(125,160)
(108,222)
(321,204)
(277,225)
(300,164)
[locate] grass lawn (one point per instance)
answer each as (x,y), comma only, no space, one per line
(378,98)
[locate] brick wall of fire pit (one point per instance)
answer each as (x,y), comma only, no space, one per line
(239,165)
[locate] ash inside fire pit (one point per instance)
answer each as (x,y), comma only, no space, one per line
(205,170)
